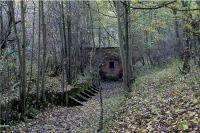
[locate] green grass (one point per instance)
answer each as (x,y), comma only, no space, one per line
(155,73)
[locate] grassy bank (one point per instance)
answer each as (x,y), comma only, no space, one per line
(162,100)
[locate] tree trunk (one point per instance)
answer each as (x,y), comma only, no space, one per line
(38,63)
(11,8)
(187,49)
(127,47)
(81,53)
(64,39)
(23,94)
(64,50)
(198,50)
(63,102)
(198,45)
(1,22)
(178,46)
(90,19)
(44,51)
(123,35)
(69,40)
(33,41)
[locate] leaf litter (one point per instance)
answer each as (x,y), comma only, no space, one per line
(161,102)
(71,119)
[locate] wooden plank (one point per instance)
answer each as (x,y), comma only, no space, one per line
(79,97)
(93,90)
(82,96)
(74,99)
(85,94)
(93,85)
(89,92)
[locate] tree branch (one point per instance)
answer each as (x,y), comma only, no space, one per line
(151,8)
(195,9)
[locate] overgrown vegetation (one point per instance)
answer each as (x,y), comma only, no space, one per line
(162,100)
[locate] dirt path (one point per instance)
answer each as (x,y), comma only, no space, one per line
(71,119)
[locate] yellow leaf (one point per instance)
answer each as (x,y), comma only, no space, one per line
(195,101)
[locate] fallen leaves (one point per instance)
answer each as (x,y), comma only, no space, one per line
(77,119)
(162,102)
